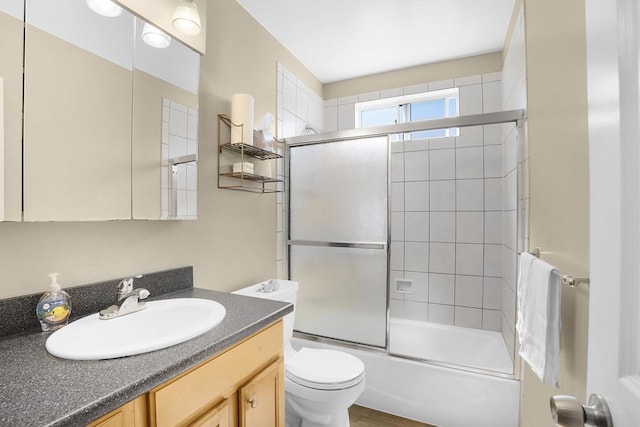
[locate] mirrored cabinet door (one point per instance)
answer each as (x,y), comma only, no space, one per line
(77,113)
(165,126)
(11,49)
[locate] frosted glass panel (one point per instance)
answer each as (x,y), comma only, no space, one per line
(342,293)
(339,191)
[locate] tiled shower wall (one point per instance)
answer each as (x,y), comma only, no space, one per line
(451,218)
(298,107)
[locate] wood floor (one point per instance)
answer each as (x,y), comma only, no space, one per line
(365,417)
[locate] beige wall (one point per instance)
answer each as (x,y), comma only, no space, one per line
(559,181)
(480,64)
(233,243)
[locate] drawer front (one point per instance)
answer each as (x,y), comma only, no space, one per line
(216,417)
(191,394)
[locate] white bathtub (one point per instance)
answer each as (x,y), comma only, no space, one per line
(444,397)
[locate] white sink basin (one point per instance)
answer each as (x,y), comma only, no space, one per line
(162,324)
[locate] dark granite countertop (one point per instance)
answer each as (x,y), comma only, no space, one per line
(38,389)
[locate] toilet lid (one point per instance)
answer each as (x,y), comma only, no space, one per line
(324,369)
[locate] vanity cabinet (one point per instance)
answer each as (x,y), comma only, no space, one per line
(243,386)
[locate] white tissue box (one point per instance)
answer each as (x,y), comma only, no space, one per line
(244,167)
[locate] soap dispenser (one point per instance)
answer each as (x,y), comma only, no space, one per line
(54,307)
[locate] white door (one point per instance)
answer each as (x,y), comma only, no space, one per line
(613,52)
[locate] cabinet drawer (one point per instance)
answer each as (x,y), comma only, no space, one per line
(192,393)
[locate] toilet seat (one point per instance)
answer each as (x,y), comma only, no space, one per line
(324,369)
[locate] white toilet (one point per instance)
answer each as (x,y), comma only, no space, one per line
(320,385)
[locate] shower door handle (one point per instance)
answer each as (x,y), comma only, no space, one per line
(354,245)
(568,412)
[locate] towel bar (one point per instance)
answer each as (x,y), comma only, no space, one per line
(566,279)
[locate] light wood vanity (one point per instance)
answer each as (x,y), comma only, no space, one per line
(242,386)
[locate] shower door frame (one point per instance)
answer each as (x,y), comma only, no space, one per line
(509,116)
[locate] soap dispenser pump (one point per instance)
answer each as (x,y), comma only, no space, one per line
(54,307)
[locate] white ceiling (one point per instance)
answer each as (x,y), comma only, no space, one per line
(342,39)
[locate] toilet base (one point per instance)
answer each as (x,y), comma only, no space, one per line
(338,419)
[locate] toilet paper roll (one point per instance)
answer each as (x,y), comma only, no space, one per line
(242,113)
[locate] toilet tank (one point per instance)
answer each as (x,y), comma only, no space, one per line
(278,290)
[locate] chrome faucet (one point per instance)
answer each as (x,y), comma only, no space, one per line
(129,300)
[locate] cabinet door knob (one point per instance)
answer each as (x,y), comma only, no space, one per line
(253,402)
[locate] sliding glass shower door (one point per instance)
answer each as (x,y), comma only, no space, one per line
(338,238)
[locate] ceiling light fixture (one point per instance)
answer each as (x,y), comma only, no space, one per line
(105,8)
(154,37)
(186,18)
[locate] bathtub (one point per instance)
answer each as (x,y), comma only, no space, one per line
(433,394)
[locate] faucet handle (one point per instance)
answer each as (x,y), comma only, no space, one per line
(126,286)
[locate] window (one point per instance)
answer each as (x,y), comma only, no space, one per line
(411,108)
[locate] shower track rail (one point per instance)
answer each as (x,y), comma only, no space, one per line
(451,122)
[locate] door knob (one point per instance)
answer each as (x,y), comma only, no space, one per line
(253,402)
(568,412)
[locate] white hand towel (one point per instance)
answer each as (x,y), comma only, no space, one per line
(538,318)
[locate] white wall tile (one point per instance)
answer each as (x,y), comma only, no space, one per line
(348,100)
(396,308)
(469,162)
(441,288)
(416,226)
(397,147)
(509,154)
(442,314)
(415,310)
(441,84)
(393,292)
(192,127)
(369,96)
(468,291)
(493,194)
(493,161)
(192,177)
(331,119)
(289,95)
(491,97)
(397,196)
(177,146)
(346,117)
(492,320)
(493,260)
(442,258)
(390,93)
(492,77)
(397,255)
(468,317)
(420,285)
(492,293)
(470,227)
(316,115)
(416,166)
(493,227)
(470,100)
(443,227)
(469,80)
(416,256)
(492,134)
(442,164)
(470,137)
(511,191)
(469,195)
(397,167)
(443,195)
(441,143)
(469,259)
(416,196)
(417,145)
(419,88)
(333,102)
(302,104)
(289,124)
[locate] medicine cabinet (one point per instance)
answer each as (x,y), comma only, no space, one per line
(97,109)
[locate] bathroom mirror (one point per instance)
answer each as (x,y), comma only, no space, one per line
(77,113)
(165,126)
(11,51)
